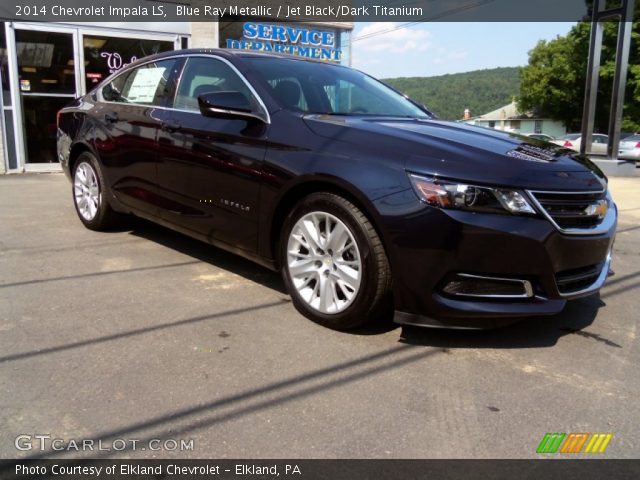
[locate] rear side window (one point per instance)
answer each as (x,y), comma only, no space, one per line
(206,75)
(150,84)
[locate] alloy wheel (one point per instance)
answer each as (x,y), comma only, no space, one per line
(86,191)
(324,262)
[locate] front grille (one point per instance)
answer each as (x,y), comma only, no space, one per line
(571,281)
(572,210)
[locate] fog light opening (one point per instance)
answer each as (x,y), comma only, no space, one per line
(477,286)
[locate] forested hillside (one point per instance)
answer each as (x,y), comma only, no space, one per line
(480,91)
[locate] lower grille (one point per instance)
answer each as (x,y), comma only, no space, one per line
(574,211)
(571,281)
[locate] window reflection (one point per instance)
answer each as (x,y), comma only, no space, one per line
(4,67)
(45,62)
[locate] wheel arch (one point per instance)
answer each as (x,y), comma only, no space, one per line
(76,150)
(305,187)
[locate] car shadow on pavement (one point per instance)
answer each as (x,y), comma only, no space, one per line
(534,332)
(206,253)
(526,333)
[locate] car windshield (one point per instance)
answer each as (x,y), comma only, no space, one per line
(322,88)
(632,138)
(571,136)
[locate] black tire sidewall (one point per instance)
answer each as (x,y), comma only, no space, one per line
(356,313)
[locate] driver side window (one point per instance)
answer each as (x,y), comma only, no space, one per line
(206,75)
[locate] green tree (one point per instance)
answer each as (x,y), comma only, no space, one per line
(554,80)
(448,96)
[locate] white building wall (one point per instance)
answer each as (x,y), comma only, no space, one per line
(204,35)
(554,128)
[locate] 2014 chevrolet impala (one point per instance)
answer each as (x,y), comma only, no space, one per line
(357,194)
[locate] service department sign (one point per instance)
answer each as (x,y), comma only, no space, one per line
(304,42)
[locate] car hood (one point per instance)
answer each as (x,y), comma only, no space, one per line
(464,152)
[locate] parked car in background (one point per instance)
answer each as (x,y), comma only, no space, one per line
(541,136)
(573,141)
(630,148)
(359,196)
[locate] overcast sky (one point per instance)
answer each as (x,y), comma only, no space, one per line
(437,48)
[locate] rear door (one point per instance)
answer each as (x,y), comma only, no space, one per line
(129,120)
(210,169)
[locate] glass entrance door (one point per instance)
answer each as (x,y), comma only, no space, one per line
(47,81)
(49,65)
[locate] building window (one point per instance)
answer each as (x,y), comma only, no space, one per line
(106,55)
(45,63)
(538,126)
(515,124)
(492,124)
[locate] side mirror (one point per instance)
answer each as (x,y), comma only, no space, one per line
(228,104)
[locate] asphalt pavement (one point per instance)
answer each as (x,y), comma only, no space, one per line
(143,334)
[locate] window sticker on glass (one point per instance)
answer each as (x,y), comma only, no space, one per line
(145,84)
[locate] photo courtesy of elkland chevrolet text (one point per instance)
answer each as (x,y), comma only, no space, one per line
(364,200)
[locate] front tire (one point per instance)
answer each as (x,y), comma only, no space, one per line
(89,196)
(333,263)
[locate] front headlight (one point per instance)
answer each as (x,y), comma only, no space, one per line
(448,194)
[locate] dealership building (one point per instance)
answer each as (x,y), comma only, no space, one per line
(46,65)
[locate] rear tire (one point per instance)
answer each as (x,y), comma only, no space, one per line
(89,197)
(333,263)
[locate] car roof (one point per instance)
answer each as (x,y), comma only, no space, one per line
(231,53)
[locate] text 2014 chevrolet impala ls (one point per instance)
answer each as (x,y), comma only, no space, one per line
(358,195)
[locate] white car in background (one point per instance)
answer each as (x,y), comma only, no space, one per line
(541,136)
(630,148)
(573,140)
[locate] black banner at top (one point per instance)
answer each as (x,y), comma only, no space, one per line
(298,10)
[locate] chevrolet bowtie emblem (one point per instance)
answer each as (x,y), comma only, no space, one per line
(598,209)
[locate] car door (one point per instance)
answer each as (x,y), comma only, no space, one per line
(599,145)
(210,168)
(127,140)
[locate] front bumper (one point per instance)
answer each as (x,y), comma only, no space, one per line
(426,246)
